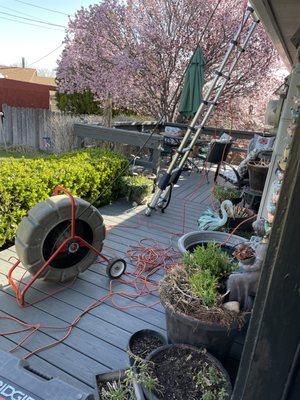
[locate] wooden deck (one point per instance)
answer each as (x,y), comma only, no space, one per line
(98,343)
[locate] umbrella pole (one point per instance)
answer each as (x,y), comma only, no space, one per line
(190,138)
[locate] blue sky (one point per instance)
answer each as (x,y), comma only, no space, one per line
(18,40)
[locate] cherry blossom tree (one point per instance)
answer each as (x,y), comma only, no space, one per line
(138,50)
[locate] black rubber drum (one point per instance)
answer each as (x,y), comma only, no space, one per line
(47,226)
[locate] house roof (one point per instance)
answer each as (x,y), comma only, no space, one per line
(281,20)
(26,75)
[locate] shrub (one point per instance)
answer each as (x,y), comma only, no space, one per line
(204,286)
(136,188)
(211,258)
(90,174)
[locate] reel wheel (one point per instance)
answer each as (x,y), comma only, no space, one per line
(116,268)
(47,226)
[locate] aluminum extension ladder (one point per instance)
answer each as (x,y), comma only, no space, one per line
(163,191)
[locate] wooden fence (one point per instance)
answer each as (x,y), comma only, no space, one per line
(25,126)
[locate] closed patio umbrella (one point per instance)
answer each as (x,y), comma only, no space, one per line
(191,94)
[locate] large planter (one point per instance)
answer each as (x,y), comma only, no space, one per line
(217,339)
(182,328)
(190,240)
(257,176)
(182,377)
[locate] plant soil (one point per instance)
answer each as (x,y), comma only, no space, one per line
(144,345)
(176,369)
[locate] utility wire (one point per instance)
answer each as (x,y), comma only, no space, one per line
(42,8)
(32,19)
(16,11)
(28,23)
(46,55)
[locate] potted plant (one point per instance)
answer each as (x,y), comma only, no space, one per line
(245,254)
(125,384)
(142,343)
(258,171)
(137,188)
(191,240)
(222,193)
(244,217)
(186,372)
(193,297)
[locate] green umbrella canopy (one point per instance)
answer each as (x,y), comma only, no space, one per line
(191,94)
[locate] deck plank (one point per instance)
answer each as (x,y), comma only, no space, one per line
(98,343)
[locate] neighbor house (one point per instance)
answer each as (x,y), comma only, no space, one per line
(22,87)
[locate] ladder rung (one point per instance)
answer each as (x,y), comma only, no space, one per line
(254,15)
(208,103)
(239,48)
(219,73)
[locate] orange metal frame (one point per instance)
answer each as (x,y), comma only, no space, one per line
(19,292)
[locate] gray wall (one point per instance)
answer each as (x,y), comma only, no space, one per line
(281,138)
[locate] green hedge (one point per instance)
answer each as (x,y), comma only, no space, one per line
(25,182)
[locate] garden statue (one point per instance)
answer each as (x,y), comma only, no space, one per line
(242,284)
(211,220)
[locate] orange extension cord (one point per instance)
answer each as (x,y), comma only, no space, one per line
(148,256)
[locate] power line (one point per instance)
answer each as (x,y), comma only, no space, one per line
(28,23)
(46,55)
(42,8)
(32,19)
(17,11)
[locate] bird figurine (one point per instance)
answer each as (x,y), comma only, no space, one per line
(211,220)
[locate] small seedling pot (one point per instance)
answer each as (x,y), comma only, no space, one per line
(236,200)
(208,357)
(116,376)
(147,335)
(245,226)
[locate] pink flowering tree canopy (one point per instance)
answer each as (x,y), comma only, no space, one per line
(137,51)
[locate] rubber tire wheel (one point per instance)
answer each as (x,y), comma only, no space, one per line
(111,263)
(42,218)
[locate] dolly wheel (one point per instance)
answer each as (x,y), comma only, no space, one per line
(116,268)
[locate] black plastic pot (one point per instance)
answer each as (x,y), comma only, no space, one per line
(115,376)
(236,200)
(211,359)
(246,226)
(257,176)
(144,333)
(217,339)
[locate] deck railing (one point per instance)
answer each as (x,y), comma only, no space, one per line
(141,135)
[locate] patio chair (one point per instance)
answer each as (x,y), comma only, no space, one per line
(260,148)
(215,153)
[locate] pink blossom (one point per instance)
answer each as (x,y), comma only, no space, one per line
(138,51)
